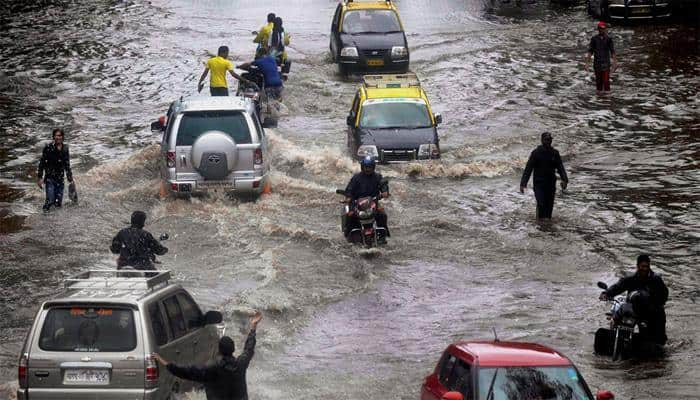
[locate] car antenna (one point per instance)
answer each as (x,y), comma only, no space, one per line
(495,335)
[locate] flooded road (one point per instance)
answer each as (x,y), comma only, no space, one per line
(465,255)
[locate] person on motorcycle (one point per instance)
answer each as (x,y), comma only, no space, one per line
(363,184)
(262,36)
(648,303)
(277,42)
(136,247)
(267,65)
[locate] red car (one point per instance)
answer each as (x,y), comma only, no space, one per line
(499,370)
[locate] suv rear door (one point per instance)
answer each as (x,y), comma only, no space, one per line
(87,351)
(191,125)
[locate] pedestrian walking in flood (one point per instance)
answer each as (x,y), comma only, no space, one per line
(226,378)
(136,247)
(602,50)
(218,66)
(55,161)
(542,164)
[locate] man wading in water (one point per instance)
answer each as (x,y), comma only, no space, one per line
(224,379)
(544,160)
(218,66)
(55,159)
(601,49)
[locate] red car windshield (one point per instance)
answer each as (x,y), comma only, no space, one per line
(533,383)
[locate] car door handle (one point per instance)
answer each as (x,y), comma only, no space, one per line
(41,374)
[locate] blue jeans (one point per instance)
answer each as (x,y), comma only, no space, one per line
(54,193)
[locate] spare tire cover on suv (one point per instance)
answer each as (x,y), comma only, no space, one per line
(214,155)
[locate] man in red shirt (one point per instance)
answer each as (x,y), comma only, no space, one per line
(602,50)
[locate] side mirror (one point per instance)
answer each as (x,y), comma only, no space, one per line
(452,396)
(212,317)
(159,125)
(340,191)
(350,120)
(604,395)
(164,237)
(602,285)
(438,119)
(254,33)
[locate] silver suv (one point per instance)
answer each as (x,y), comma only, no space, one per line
(95,341)
(213,143)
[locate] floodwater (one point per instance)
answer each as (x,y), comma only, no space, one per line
(466,254)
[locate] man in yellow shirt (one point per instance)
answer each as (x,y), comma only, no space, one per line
(263,36)
(218,66)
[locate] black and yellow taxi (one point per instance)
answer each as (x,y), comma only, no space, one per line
(391,120)
(368,36)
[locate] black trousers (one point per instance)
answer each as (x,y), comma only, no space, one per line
(218,91)
(544,194)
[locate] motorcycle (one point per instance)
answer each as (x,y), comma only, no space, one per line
(266,106)
(364,209)
(619,340)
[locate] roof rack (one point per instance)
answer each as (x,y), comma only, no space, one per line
(387,81)
(380,1)
(113,279)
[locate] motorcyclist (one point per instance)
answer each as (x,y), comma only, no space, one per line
(363,184)
(267,65)
(262,36)
(136,247)
(648,303)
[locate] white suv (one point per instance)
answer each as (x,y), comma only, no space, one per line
(213,143)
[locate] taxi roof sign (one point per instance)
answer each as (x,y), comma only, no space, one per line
(389,81)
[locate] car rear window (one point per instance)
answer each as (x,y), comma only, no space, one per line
(194,124)
(88,329)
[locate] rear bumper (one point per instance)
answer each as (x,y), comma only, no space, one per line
(78,394)
(253,185)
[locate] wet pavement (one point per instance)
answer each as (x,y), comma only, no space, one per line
(466,254)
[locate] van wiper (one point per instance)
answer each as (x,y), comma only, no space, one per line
(489,395)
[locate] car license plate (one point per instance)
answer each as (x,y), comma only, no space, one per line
(641,10)
(226,185)
(375,62)
(86,377)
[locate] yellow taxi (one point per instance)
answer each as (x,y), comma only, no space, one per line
(391,120)
(368,36)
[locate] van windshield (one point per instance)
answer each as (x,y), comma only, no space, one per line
(194,124)
(88,329)
(371,21)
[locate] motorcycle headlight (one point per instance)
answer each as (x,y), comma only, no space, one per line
(364,214)
(367,150)
(399,52)
(428,151)
(349,52)
(628,321)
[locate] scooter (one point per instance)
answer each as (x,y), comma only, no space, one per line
(254,89)
(364,209)
(618,340)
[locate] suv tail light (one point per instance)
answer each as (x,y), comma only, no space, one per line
(257,156)
(171,159)
(22,370)
(151,369)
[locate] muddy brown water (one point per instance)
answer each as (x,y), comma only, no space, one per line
(466,254)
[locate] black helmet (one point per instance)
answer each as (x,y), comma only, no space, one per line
(138,219)
(368,161)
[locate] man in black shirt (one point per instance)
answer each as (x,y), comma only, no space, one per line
(367,183)
(136,247)
(544,161)
(651,303)
(224,379)
(602,50)
(55,159)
